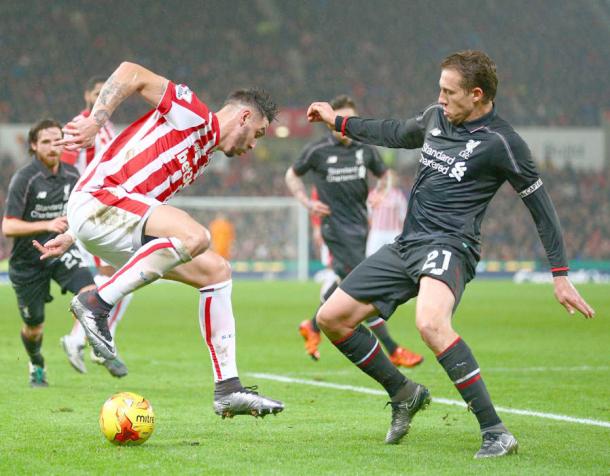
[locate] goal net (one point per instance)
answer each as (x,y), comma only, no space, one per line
(271,233)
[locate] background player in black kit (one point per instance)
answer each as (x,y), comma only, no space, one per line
(468,152)
(340,167)
(36,209)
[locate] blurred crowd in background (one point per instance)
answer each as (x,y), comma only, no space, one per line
(582,200)
(552,55)
(552,58)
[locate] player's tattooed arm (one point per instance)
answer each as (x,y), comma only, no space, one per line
(126,80)
(112,94)
(297,188)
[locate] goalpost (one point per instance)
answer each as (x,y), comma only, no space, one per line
(272,233)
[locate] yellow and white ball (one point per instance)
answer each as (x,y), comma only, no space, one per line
(127,418)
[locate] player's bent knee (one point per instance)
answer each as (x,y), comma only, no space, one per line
(33,332)
(328,321)
(434,323)
(196,240)
(217,268)
(223,271)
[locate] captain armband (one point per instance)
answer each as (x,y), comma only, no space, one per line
(531,189)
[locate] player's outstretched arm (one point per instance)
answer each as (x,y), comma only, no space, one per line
(569,297)
(55,247)
(15,227)
(126,80)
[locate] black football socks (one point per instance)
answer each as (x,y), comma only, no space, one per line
(226,387)
(32,347)
(382,333)
(95,303)
(364,350)
(464,372)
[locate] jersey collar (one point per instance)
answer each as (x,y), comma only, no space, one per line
(45,170)
(481,122)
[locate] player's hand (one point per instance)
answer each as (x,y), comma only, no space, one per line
(321,112)
(375,199)
(58,225)
(568,297)
(55,247)
(78,134)
(318,208)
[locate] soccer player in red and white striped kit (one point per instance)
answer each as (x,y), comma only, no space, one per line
(387,207)
(119,211)
(74,343)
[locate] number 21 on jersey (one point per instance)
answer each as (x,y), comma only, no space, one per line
(432,263)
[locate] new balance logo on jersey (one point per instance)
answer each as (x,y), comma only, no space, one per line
(184,93)
(435,132)
(332,159)
(457,172)
(42,195)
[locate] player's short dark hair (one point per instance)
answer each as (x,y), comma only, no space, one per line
(257,98)
(477,70)
(46,123)
(342,101)
(92,81)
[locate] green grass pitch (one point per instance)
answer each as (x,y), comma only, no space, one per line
(533,356)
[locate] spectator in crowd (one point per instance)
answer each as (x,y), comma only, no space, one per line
(222,232)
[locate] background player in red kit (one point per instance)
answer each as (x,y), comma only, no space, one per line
(119,211)
(387,207)
(74,343)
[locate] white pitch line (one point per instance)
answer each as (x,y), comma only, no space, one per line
(444,401)
(579,368)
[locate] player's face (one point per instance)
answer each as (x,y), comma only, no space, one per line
(458,104)
(252,126)
(344,112)
(91,96)
(44,149)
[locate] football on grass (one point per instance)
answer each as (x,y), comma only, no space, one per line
(127,419)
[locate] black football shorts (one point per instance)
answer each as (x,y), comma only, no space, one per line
(390,277)
(347,248)
(32,284)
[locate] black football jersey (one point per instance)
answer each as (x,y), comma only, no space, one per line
(35,194)
(340,175)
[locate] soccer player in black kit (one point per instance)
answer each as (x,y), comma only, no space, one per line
(36,210)
(468,152)
(340,168)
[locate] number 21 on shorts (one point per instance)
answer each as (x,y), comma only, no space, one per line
(433,260)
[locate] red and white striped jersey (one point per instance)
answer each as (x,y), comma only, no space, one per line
(160,153)
(389,214)
(83,157)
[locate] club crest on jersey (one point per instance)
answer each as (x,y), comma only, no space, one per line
(183,92)
(470,146)
(359,157)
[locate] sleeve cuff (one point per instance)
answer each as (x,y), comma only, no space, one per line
(562,271)
(340,123)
